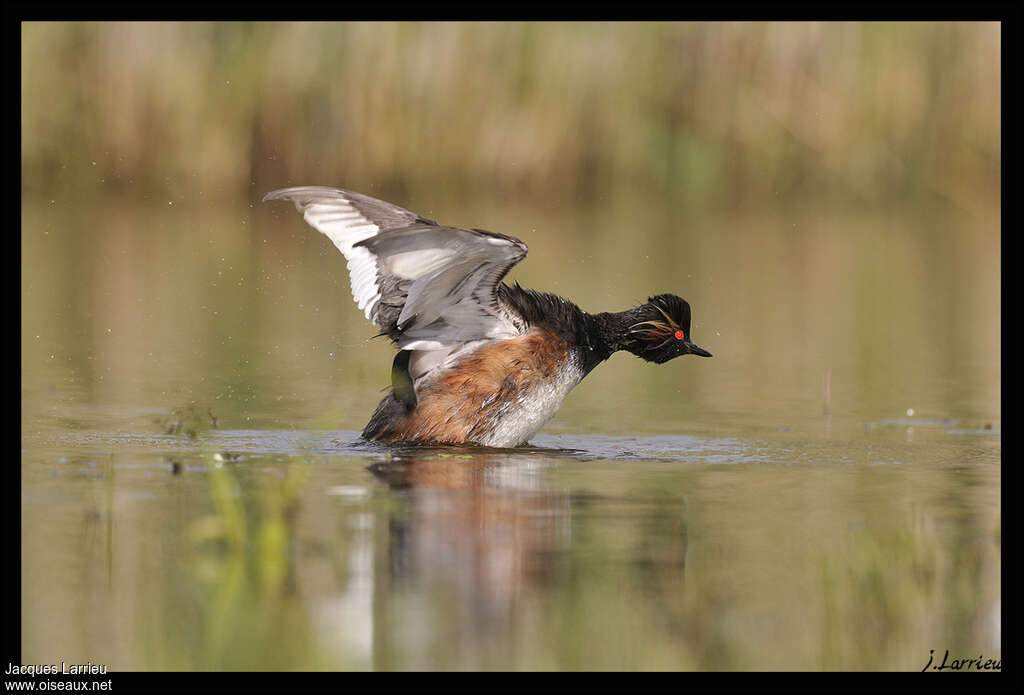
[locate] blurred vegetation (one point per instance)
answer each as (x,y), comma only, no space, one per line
(713,114)
(242,565)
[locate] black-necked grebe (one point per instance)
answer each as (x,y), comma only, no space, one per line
(479,361)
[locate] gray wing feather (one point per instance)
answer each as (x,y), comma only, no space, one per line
(427,286)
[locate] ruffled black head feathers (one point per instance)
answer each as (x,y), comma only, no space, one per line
(662,330)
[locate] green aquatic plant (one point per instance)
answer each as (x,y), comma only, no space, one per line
(242,563)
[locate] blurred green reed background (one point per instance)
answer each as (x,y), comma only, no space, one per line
(712,114)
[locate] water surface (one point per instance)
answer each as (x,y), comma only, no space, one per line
(824,493)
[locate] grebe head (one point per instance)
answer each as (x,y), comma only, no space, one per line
(662,331)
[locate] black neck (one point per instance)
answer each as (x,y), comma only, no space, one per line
(597,335)
(613,329)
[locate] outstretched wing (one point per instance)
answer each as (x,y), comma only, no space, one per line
(425,285)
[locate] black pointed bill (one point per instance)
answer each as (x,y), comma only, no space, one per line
(696,350)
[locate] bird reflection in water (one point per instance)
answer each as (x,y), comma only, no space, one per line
(482,521)
(471,551)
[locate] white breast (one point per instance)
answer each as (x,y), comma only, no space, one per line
(521,419)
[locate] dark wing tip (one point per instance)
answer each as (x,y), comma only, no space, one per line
(294,192)
(279,194)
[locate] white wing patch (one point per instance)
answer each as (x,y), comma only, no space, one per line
(427,286)
(346,226)
(417,264)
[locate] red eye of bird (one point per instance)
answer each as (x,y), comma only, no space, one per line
(679,335)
